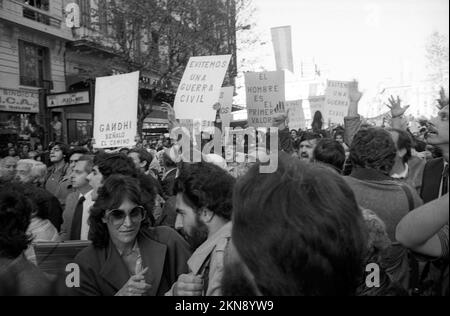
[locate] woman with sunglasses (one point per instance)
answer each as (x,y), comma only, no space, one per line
(127,257)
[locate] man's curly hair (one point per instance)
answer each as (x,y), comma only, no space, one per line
(206,185)
(373,148)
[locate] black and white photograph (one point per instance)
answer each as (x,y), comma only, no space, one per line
(224,153)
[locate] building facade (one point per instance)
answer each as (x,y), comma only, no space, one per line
(48,69)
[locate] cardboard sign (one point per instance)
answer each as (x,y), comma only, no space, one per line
(226,104)
(316,104)
(337,102)
(116,110)
(23,101)
(200,87)
(296,116)
(265,91)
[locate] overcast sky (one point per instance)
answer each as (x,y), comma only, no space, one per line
(364,39)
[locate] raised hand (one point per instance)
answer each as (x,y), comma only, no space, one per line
(443,98)
(170,111)
(135,286)
(396,107)
(355,94)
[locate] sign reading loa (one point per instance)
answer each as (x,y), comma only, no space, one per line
(66,99)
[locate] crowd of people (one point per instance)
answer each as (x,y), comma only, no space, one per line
(341,200)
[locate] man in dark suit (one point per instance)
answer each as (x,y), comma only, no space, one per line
(78,203)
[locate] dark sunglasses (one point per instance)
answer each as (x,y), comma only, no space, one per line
(117,216)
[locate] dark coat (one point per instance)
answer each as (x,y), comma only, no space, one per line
(432,177)
(163,251)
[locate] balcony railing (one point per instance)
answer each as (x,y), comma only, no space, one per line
(40,16)
(36,82)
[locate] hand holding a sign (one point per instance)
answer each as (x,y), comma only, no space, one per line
(396,108)
(355,97)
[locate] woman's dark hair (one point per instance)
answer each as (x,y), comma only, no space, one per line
(373,148)
(317,121)
(38,199)
(111,195)
(15,217)
(206,185)
(404,141)
(330,152)
(299,230)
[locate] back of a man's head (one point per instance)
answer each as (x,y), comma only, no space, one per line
(206,185)
(330,152)
(109,164)
(299,230)
(373,148)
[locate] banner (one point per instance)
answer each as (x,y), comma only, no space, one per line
(337,97)
(265,91)
(116,111)
(296,116)
(200,87)
(282,45)
(226,104)
(317,104)
(22,101)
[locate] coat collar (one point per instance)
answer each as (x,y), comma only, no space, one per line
(201,255)
(369,175)
(153,255)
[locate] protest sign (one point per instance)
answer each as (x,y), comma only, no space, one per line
(200,87)
(316,104)
(296,116)
(115,114)
(265,90)
(226,104)
(337,102)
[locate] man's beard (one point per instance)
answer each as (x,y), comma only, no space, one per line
(198,234)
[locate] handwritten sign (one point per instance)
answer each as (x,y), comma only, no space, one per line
(337,102)
(24,101)
(296,116)
(316,104)
(115,113)
(265,90)
(200,87)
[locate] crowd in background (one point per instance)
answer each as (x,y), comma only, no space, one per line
(342,199)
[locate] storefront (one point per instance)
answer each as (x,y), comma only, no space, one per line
(19,122)
(71,115)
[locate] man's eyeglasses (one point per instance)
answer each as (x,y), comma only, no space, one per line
(117,217)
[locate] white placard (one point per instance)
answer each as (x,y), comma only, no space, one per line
(116,110)
(337,101)
(200,87)
(264,90)
(296,115)
(317,104)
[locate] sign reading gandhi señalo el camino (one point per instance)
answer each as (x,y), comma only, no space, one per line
(22,101)
(115,114)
